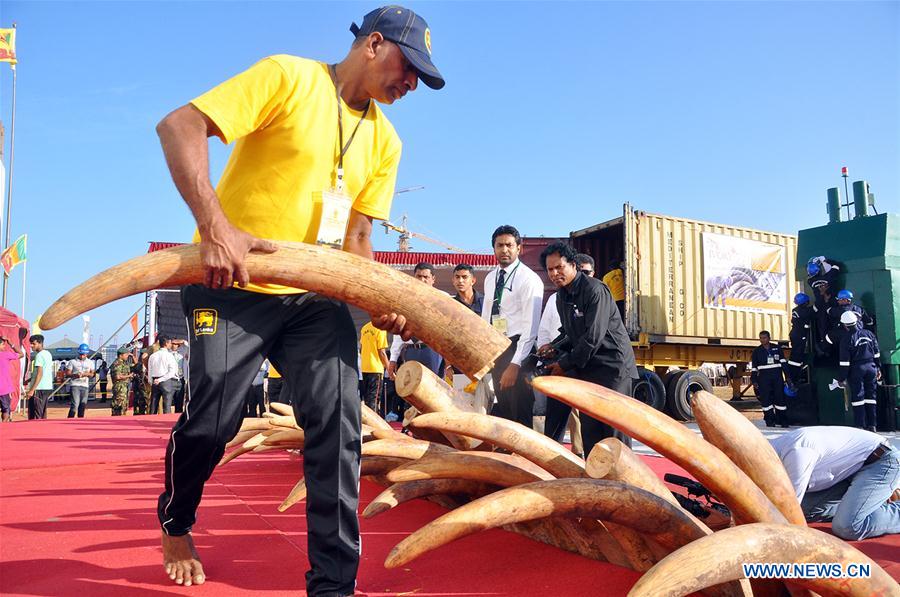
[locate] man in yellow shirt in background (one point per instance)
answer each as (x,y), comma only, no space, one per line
(373,361)
(615,280)
(309,141)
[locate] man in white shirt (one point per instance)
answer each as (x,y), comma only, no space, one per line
(162,369)
(844,475)
(513,294)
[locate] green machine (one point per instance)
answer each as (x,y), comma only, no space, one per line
(867,248)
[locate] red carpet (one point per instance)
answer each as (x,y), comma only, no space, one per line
(78,517)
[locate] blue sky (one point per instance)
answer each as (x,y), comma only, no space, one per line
(553,116)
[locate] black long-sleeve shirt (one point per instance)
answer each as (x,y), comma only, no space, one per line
(594,328)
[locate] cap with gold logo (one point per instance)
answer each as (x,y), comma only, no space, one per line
(410,32)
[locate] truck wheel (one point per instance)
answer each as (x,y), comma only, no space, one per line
(679,400)
(671,381)
(649,389)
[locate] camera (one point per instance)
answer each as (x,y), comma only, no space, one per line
(547,359)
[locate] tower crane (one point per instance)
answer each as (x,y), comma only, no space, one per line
(406,234)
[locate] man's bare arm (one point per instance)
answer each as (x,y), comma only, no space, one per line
(358,240)
(184,137)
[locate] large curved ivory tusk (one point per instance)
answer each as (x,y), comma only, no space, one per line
(280,409)
(717,558)
(449,327)
(500,469)
(612,460)
(379,465)
(700,458)
(734,434)
(297,494)
(512,436)
(400,448)
(419,386)
(585,498)
(399,493)
(255,424)
(285,436)
(373,419)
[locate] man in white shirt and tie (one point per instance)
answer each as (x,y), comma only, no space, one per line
(513,294)
(162,369)
(844,475)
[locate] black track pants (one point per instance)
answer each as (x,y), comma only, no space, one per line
(311,340)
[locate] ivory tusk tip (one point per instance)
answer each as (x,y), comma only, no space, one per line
(374,509)
(395,559)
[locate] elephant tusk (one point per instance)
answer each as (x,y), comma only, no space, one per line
(734,434)
(449,327)
(701,459)
(718,558)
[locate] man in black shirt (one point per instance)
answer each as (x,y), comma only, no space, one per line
(464,282)
(596,347)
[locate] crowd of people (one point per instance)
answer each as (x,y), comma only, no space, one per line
(151,380)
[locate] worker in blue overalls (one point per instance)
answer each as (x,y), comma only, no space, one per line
(822,277)
(858,369)
(801,322)
(767,374)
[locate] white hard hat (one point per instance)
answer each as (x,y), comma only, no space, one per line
(849,318)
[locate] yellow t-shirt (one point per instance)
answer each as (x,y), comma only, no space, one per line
(371,340)
(273,372)
(283,114)
(616,282)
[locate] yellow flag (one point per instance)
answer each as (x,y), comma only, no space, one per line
(36,325)
(8,46)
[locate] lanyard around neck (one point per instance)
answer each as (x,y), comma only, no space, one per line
(507,280)
(337,94)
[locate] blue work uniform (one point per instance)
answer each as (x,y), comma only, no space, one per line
(858,366)
(801,324)
(767,374)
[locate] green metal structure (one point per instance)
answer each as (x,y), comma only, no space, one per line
(868,249)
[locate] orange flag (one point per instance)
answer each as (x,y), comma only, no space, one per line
(134,322)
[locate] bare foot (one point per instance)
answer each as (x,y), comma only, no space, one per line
(181,560)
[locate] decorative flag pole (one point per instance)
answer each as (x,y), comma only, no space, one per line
(8,54)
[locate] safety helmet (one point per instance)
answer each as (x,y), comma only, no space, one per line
(790,391)
(812,268)
(849,318)
(801,298)
(84,349)
(845,295)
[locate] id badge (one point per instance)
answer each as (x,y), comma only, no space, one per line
(771,361)
(500,324)
(333,217)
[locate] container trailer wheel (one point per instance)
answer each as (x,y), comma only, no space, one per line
(649,389)
(681,386)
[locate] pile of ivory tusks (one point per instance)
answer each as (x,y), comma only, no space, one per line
(611,507)
(492,472)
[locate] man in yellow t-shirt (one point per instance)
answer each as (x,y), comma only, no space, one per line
(309,143)
(615,280)
(374,360)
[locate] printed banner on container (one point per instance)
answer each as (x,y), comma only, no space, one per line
(743,275)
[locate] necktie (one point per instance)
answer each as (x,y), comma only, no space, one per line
(498,292)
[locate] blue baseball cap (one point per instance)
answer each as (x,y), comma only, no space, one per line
(411,34)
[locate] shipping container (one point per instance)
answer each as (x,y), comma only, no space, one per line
(665,279)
